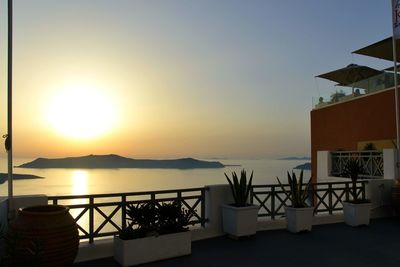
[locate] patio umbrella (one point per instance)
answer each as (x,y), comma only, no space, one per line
(382,49)
(350,74)
(392,68)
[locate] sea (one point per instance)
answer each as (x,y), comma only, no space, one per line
(61,182)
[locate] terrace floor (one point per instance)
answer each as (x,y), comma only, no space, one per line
(327,245)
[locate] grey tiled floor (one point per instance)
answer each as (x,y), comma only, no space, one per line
(335,245)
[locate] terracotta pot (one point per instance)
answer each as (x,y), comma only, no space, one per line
(50,226)
(396,196)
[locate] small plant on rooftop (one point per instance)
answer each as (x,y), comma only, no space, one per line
(335,97)
(240,188)
(298,192)
(369,146)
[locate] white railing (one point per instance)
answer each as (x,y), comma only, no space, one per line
(371,161)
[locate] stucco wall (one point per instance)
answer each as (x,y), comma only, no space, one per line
(343,125)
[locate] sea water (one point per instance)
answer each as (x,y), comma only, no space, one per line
(61,182)
(56,182)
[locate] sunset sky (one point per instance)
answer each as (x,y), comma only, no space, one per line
(177,78)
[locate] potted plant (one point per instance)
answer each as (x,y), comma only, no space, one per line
(299,215)
(154,232)
(240,218)
(357,210)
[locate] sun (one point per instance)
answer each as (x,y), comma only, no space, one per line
(81,112)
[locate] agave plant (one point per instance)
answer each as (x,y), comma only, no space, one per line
(240,189)
(298,192)
(352,170)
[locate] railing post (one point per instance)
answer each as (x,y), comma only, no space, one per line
(91,219)
(330,203)
(371,160)
(203,207)
(363,190)
(123,212)
(311,194)
(179,197)
(273,202)
(153,199)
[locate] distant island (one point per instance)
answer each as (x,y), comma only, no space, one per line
(295,158)
(305,166)
(118,162)
(16,176)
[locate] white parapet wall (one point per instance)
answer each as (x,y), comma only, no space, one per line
(323,164)
(379,191)
(389,164)
(8,207)
(3,211)
(29,201)
(216,196)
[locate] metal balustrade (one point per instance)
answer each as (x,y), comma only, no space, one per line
(102,215)
(372,162)
(325,197)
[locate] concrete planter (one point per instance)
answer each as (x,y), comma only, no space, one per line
(153,248)
(356,214)
(299,219)
(240,221)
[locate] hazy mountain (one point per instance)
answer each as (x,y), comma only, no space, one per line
(305,166)
(295,158)
(116,162)
(16,176)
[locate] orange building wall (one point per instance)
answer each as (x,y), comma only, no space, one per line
(343,125)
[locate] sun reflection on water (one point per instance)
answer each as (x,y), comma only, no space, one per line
(79,179)
(79,185)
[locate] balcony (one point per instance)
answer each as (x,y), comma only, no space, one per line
(100,217)
(372,85)
(328,245)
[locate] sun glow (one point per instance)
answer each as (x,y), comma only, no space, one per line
(81,112)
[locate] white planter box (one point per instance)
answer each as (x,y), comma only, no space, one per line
(299,219)
(241,221)
(356,214)
(153,248)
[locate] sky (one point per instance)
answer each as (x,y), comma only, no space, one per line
(177,78)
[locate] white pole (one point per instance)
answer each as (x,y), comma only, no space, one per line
(396,94)
(9,107)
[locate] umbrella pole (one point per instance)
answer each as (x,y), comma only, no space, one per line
(9,110)
(396,93)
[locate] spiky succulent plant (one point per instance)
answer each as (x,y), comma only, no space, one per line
(352,170)
(298,192)
(240,189)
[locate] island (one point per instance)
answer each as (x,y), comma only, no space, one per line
(113,161)
(16,176)
(305,166)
